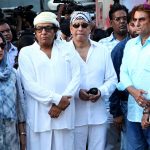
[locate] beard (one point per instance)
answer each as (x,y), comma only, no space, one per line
(122,32)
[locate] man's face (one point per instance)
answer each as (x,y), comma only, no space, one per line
(6,31)
(44,33)
(119,22)
(132,29)
(80,30)
(142,23)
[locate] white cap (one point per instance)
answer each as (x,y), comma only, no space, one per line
(46,17)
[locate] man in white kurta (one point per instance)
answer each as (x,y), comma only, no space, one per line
(97,71)
(49,79)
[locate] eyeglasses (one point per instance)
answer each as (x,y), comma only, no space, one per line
(83,25)
(2,45)
(46,28)
(124,18)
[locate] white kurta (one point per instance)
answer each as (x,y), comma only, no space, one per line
(97,71)
(45,81)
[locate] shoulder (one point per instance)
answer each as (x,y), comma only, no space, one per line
(29,50)
(132,41)
(99,46)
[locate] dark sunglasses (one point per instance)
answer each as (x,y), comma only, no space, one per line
(83,25)
(46,28)
(2,45)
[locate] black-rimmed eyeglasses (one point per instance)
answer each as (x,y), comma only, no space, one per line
(46,28)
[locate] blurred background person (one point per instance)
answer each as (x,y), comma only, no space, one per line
(11,49)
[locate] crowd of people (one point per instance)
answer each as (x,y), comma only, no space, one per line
(67,85)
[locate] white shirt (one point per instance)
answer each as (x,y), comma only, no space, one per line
(45,81)
(97,71)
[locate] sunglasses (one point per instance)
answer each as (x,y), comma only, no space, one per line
(46,28)
(83,25)
(2,45)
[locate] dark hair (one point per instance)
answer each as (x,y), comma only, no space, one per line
(142,7)
(129,19)
(4,40)
(65,28)
(26,38)
(3,21)
(99,34)
(117,7)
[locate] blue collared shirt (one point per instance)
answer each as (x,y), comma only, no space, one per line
(12,54)
(135,71)
(118,96)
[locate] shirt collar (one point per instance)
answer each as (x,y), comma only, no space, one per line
(138,40)
(111,37)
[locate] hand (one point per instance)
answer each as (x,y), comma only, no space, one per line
(54,111)
(145,121)
(84,95)
(22,135)
(22,141)
(138,96)
(93,98)
(64,102)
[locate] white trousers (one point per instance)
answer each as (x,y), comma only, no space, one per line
(50,140)
(63,139)
(93,136)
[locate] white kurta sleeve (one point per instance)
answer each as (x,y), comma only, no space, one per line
(31,86)
(110,78)
(75,71)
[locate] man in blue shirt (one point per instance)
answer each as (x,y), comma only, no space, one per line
(135,77)
(118,100)
(11,49)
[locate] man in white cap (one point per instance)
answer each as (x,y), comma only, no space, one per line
(50,75)
(98,81)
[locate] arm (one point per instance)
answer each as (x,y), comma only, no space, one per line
(110,78)
(70,90)
(20,108)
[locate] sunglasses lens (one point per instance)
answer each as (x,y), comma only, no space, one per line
(2,45)
(83,25)
(46,28)
(76,25)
